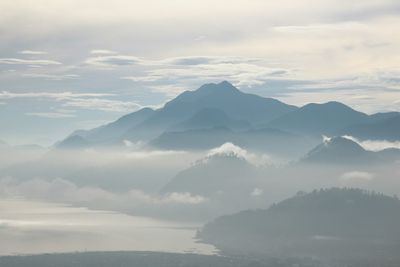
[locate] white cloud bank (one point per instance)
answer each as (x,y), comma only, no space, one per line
(357,175)
(230,150)
(64,191)
(374,145)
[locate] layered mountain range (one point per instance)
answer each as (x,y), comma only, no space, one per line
(218,113)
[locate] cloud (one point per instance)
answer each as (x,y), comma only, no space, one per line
(102,52)
(184,198)
(32,52)
(19,61)
(110,61)
(180,71)
(61,190)
(56,96)
(230,150)
(326,139)
(54,77)
(257,192)
(102,104)
(374,145)
(204,60)
(357,175)
(51,115)
(88,101)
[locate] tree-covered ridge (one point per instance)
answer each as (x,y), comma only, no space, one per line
(327,221)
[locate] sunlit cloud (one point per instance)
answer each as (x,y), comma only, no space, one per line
(374,145)
(55,77)
(32,52)
(102,52)
(20,61)
(89,101)
(102,104)
(51,115)
(61,190)
(231,150)
(112,61)
(57,96)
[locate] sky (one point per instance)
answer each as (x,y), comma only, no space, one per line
(67,64)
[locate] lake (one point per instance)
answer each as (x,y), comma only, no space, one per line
(31,227)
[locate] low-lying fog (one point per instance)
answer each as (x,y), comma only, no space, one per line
(132,199)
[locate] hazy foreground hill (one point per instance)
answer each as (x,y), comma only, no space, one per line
(217,174)
(329,224)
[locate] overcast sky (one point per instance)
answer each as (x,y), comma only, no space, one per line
(77,64)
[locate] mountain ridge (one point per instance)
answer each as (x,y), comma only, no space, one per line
(221,105)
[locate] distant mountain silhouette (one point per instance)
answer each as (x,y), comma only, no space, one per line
(223,96)
(319,119)
(339,150)
(384,127)
(334,223)
(274,141)
(114,130)
(381,116)
(73,142)
(218,113)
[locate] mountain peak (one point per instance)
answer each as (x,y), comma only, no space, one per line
(213,87)
(339,150)
(328,105)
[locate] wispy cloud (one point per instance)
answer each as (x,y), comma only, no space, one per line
(374,145)
(231,150)
(110,61)
(103,52)
(181,71)
(20,61)
(357,175)
(66,191)
(54,77)
(32,52)
(89,101)
(51,115)
(57,96)
(102,104)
